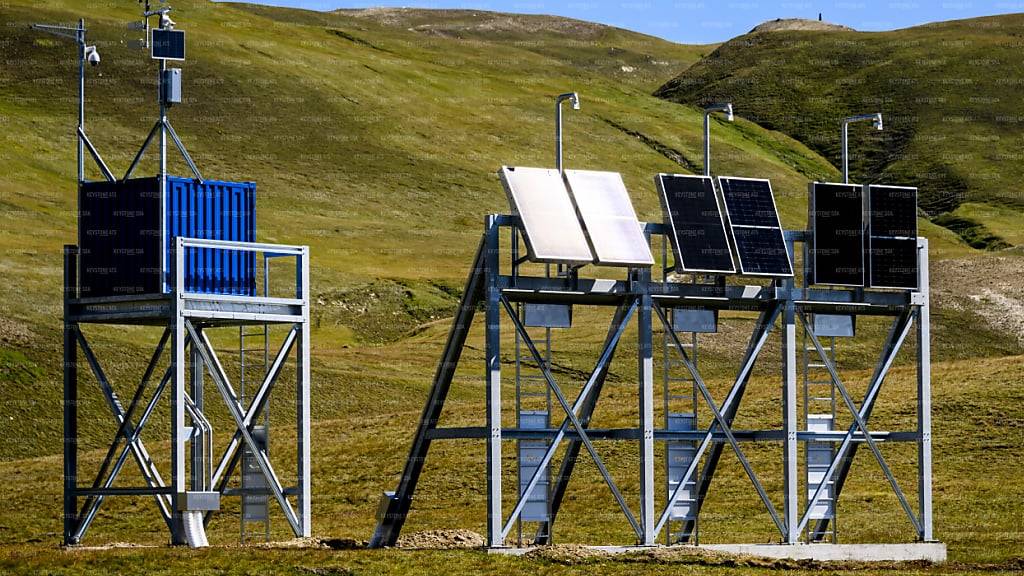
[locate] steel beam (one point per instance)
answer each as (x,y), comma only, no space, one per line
(302,404)
(645,378)
(70,429)
(924,396)
(790,463)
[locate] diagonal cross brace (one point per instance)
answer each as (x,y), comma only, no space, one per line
(92,503)
(571,414)
(259,401)
(758,341)
(205,349)
(858,423)
(898,332)
(138,448)
(616,330)
(720,419)
(586,412)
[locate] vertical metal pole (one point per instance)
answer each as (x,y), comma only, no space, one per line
(645,366)
(558,135)
(178,392)
(303,401)
(81,100)
(493,376)
(198,482)
(70,400)
(790,423)
(707,143)
(924,395)
(846,152)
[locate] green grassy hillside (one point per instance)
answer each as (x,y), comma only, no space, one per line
(374,138)
(950,93)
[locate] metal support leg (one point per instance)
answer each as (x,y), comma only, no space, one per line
(178,360)
(70,401)
(791,480)
(924,397)
(393,518)
(645,377)
(305,476)
(493,377)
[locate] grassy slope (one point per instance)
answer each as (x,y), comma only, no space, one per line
(950,93)
(377,146)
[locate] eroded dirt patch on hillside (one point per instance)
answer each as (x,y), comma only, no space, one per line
(992,288)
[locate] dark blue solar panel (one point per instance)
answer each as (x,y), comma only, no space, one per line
(695,223)
(749,202)
(762,251)
(756,231)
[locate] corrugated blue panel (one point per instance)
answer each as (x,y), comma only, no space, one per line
(127,249)
(214,210)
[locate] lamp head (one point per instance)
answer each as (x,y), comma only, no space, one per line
(725,107)
(878,121)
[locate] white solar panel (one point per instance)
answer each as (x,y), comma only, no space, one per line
(609,220)
(551,229)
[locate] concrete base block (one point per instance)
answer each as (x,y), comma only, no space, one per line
(916,551)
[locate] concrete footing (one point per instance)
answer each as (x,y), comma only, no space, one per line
(917,551)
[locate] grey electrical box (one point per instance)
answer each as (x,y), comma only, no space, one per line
(170,86)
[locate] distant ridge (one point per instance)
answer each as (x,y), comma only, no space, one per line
(785,24)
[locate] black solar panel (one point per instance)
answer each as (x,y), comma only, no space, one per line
(892,237)
(893,211)
(696,229)
(755,226)
(836,214)
(893,262)
(761,251)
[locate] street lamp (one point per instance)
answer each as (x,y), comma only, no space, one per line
(708,111)
(875,118)
(573,99)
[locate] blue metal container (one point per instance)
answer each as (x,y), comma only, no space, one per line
(127,234)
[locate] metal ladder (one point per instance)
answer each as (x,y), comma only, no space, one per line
(679,395)
(254,522)
(533,410)
(679,399)
(819,416)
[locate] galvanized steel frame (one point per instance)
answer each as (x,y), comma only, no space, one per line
(184,316)
(639,296)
